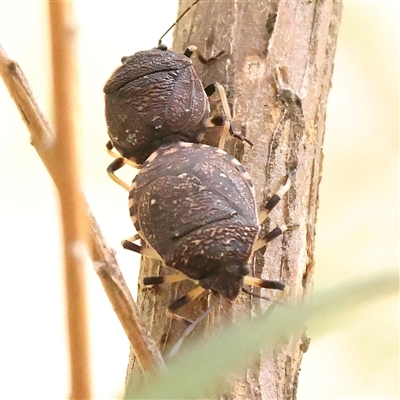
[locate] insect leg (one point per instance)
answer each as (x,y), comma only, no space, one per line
(226,127)
(275,198)
(192,327)
(175,305)
(118,163)
(114,166)
(158,280)
(178,303)
(263,283)
(210,89)
(218,120)
(190,50)
(271,203)
(144,251)
(261,242)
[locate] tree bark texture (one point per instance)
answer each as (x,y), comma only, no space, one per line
(277,71)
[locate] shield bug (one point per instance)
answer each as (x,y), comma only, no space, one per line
(154,98)
(195,209)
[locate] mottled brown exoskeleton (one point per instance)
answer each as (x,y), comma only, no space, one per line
(194,207)
(154,98)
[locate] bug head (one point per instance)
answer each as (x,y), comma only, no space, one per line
(227,281)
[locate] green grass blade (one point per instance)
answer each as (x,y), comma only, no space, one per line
(194,373)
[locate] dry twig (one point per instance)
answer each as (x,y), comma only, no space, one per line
(44,140)
(67,180)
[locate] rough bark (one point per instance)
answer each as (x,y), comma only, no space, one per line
(276,53)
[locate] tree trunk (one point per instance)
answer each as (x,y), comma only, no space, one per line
(277,71)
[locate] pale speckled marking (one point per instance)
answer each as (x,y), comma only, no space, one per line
(132,213)
(134,218)
(164,151)
(253,192)
(185,144)
(220,151)
(245,175)
(152,156)
(133,186)
(241,169)
(171,150)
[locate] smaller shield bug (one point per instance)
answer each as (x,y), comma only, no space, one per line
(154,98)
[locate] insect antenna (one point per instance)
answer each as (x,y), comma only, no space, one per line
(251,294)
(192,327)
(178,19)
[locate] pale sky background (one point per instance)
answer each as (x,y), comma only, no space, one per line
(357,230)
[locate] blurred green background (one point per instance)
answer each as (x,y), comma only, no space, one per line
(357,230)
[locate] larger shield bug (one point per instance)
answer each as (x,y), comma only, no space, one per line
(194,207)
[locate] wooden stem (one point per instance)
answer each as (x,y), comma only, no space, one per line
(43,138)
(67,179)
(276,71)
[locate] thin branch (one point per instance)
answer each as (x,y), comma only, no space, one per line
(103,257)
(67,180)
(118,293)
